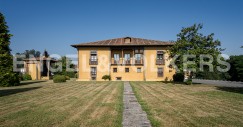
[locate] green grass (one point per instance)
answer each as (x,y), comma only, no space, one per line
(38,103)
(190,105)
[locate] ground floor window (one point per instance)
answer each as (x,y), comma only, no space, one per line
(118,78)
(114,70)
(139,70)
(160,72)
(126,69)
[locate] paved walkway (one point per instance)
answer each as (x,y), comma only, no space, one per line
(133,115)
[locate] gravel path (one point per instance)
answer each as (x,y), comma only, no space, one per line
(133,115)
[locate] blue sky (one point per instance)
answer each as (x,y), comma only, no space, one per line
(55,25)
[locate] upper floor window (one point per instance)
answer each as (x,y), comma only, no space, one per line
(93,55)
(138,56)
(160,55)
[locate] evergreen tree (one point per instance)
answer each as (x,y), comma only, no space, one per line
(7,76)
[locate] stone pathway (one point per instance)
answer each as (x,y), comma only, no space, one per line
(133,115)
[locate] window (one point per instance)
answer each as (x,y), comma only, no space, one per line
(126,69)
(127,58)
(138,50)
(138,58)
(160,72)
(93,71)
(118,78)
(160,55)
(114,69)
(93,55)
(116,58)
(139,70)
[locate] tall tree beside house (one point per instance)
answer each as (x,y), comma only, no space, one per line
(7,76)
(191,42)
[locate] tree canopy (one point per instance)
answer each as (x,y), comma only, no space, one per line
(191,42)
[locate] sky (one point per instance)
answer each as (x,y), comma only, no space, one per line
(55,24)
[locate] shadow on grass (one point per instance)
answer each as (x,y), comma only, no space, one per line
(183,83)
(7,92)
(31,82)
(231,89)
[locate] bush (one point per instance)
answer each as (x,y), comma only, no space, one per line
(178,77)
(189,81)
(70,74)
(59,78)
(9,79)
(26,77)
(67,77)
(76,75)
(105,77)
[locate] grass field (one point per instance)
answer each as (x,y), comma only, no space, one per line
(197,105)
(62,104)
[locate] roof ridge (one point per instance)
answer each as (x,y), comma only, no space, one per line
(120,42)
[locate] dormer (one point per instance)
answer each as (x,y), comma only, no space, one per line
(127,40)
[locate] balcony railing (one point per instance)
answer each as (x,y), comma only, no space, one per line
(93,74)
(139,61)
(93,61)
(160,62)
(131,61)
(127,62)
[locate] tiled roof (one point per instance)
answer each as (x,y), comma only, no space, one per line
(121,42)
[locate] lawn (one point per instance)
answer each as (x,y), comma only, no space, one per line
(196,105)
(62,104)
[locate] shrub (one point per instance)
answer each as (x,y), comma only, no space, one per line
(76,75)
(59,78)
(189,81)
(105,77)
(178,77)
(166,79)
(26,77)
(70,74)
(67,77)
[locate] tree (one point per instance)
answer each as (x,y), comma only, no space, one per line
(7,76)
(26,54)
(191,42)
(236,70)
(46,54)
(67,62)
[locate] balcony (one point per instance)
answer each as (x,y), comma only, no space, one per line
(139,61)
(131,61)
(93,61)
(160,62)
(93,74)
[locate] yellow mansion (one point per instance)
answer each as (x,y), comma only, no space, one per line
(125,59)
